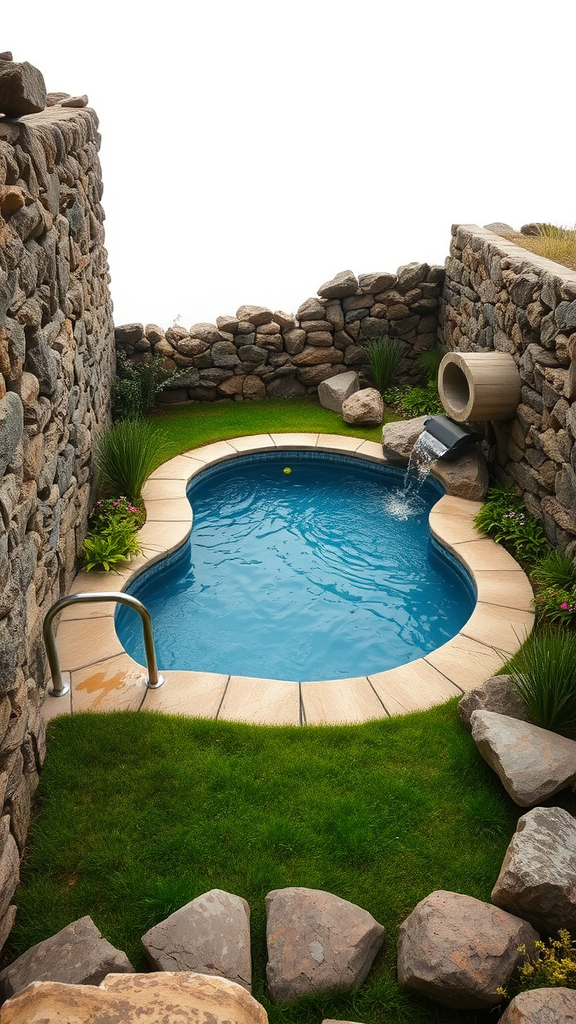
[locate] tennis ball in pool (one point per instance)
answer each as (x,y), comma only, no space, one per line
(287,470)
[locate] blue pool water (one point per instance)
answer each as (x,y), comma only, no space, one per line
(321,573)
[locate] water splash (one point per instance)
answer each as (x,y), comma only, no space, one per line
(403,503)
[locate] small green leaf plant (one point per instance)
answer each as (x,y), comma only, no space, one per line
(137,386)
(505,519)
(414,401)
(112,533)
(552,966)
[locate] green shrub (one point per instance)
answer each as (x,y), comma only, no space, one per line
(414,401)
(136,387)
(555,570)
(505,519)
(126,454)
(384,354)
(104,551)
(553,966)
(428,363)
(543,673)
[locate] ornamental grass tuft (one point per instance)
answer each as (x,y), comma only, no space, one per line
(384,354)
(126,454)
(544,673)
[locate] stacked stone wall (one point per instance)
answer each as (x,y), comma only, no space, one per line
(500,297)
(56,367)
(260,354)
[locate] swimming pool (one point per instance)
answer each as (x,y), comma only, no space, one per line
(320,572)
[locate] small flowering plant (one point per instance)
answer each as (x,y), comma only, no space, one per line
(505,519)
(553,965)
(557,604)
(120,511)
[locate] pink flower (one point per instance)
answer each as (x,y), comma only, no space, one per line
(565,606)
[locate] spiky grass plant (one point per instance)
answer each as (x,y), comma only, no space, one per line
(126,454)
(428,362)
(384,354)
(543,673)
(555,570)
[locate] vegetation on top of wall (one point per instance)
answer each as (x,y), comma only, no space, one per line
(551,241)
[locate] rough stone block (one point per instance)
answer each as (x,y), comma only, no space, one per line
(542,1006)
(364,407)
(22,89)
(333,392)
(496,694)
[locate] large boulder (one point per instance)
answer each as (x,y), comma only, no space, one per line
(76,955)
(210,935)
(537,880)
(466,477)
(22,89)
(137,999)
(399,438)
(459,951)
(532,763)
(317,942)
(496,694)
(334,391)
(363,407)
(542,1006)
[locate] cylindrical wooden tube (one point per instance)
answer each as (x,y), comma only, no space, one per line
(479,386)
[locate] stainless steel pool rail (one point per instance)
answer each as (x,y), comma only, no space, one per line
(59,687)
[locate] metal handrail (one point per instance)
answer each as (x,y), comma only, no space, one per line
(60,688)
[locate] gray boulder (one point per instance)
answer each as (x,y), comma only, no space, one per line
(11,428)
(76,955)
(334,391)
(22,89)
(459,951)
(496,694)
(340,286)
(317,942)
(210,935)
(531,763)
(398,439)
(542,1006)
(466,477)
(537,880)
(365,406)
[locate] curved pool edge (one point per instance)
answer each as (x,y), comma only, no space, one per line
(104,677)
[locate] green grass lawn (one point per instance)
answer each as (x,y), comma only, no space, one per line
(140,813)
(203,422)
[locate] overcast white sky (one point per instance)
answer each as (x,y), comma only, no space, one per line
(252,149)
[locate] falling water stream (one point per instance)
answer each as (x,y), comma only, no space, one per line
(405,501)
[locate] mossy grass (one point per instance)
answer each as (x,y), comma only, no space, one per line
(140,813)
(190,426)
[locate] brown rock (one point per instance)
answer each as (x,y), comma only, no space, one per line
(467,477)
(363,407)
(398,439)
(204,332)
(11,199)
(459,951)
(317,942)
(255,315)
(375,283)
(496,694)
(312,356)
(137,999)
(542,1006)
(229,324)
(343,284)
(254,389)
(210,935)
(322,339)
(295,341)
(22,89)
(287,321)
(312,309)
(76,955)
(537,880)
(75,101)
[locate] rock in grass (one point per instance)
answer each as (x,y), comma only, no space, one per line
(496,694)
(532,763)
(210,935)
(333,392)
(537,880)
(137,999)
(76,955)
(364,407)
(459,951)
(317,942)
(542,1006)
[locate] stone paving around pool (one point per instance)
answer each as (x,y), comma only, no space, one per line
(104,678)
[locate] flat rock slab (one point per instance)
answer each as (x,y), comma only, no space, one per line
(542,1006)
(137,999)
(317,942)
(531,763)
(365,406)
(332,392)
(210,935)
(537,880)
(496,694)
(76,955)
(459,951)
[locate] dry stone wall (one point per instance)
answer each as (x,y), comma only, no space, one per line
(56,366)
(260,354)
(500,297)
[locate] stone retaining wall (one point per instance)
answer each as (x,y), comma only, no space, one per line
(56,366)
(259,354)
(500,297)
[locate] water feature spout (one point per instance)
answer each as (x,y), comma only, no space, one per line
(451,440)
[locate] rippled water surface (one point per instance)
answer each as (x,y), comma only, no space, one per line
(320,573)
